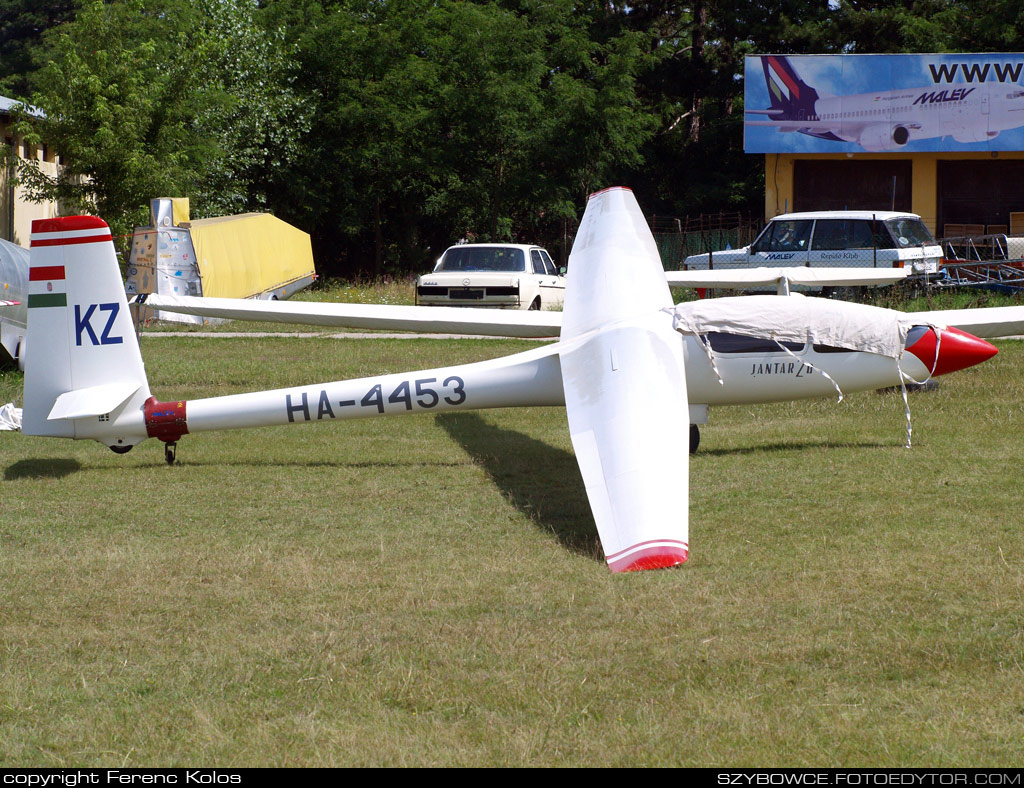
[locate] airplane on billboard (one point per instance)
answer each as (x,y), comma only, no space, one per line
(626,366)
(888,120)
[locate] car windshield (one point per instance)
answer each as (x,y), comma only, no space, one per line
(482,258)
(909,231)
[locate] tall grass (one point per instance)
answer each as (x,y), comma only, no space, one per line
(388,290)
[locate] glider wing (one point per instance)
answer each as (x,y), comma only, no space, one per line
(625,387)
(428,320)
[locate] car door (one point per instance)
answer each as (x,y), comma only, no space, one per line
(784,242)
(552,286)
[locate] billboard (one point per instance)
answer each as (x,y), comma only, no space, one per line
(871,103)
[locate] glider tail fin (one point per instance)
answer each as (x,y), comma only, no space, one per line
(84,376)
(791,97)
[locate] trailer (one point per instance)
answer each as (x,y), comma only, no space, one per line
(988,262)
(252,255)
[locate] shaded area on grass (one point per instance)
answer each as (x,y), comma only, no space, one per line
(541,481)
(797,446)
(41,469)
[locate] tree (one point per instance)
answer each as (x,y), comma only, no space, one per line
(440,120)
(22,25)
(148,98)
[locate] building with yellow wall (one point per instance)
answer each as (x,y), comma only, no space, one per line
(16,211)
(975,193)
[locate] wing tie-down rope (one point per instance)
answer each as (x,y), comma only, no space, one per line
(678,324)
(827,376)
(904,377)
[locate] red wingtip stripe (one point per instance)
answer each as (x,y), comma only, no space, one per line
(658,555)
(609,189)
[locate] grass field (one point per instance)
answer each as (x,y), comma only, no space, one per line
(428,590)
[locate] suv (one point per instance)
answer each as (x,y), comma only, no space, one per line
(872,239)
(506,276)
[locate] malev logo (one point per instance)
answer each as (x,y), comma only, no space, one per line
(938,96)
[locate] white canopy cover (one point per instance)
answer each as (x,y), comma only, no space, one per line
(798,319)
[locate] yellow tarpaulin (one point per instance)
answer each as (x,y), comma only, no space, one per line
(243,256)
(180,208)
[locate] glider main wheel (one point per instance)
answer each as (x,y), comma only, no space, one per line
(694,438)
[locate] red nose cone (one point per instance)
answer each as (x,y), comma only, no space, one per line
(957,350)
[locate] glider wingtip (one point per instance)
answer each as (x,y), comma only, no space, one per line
(599,192)
(654,557)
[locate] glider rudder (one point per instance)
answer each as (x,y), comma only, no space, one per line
(86,378)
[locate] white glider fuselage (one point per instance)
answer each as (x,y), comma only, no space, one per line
(748,371)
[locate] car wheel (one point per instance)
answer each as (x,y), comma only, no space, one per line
(536,304)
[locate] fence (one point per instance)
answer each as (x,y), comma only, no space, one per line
(679,238)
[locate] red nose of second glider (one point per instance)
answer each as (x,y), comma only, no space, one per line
(957,350)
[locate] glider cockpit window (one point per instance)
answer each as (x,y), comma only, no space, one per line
(910,232)
(830,349)
(483,258)
(784,236)
(722,342)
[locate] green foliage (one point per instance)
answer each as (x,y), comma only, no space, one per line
(439,120)
(149,98)
(22,24)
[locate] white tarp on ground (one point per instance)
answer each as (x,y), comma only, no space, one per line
(798,319)
(10,417)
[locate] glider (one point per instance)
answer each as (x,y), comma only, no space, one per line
(626,365)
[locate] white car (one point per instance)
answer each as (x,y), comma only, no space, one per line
(879,239)
(505,276)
